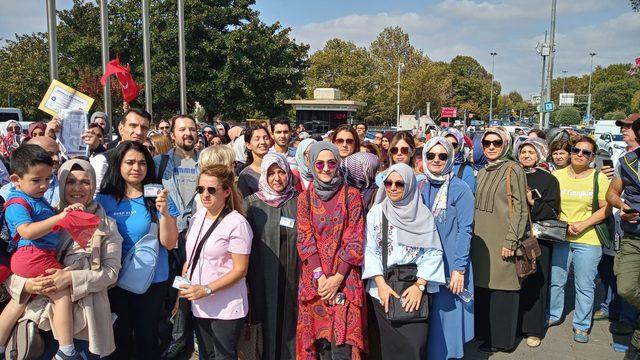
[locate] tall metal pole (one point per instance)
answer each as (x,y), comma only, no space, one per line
(181,52)
(564,80)
(544,67)
(493,57)
(589,97)
(53,39)
(550,64)
(104,32)
(400,66)
(146,52)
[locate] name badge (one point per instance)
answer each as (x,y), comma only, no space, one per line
(287,222)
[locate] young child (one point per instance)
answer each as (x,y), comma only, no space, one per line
(31,168)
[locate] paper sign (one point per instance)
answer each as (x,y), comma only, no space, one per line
(60,96)
(74,123)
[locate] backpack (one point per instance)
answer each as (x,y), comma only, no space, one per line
(8,244)
(139,264)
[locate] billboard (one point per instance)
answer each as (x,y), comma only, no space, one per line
(567,99)
(449,112)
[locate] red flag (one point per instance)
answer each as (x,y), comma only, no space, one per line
(130,89)
(80,225)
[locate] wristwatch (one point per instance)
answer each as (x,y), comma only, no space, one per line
(208,290)
(420,287)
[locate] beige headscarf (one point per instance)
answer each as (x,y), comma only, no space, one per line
(506,140)
(92,207)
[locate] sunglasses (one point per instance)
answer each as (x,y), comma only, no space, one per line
(495,143)
(441,156)
(578,151)
(404,150)
(200,189)
(331,164)
(389,184)
(342,141)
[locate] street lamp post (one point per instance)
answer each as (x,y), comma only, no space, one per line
(146,56)
(493,56)
(53,39)
(400,67)
(181,55)
(589,96)
(104,36)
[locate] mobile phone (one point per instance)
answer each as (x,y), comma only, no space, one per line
(630,211)
(607,162)
(535,194)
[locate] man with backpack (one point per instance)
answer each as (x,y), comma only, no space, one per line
(178,170)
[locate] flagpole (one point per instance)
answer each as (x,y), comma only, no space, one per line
(181,50)
(146,52)
(104,32)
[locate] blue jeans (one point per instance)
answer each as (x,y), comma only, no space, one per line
(585,259)
(612,304)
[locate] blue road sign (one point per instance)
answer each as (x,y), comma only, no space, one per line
(549,106)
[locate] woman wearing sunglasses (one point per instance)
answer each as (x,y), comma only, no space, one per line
(583,247)
(412,239)
(402,150)
(346,139)
(258,141)
(543,197)
(332,317)
(461,168)
(218,247)
(122,197)
(500,222)
(451,202)
(274,265)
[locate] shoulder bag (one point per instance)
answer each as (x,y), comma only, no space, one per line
(528,249)
(140,262)
(400,278)
(25,342)
(606,230)
(195,256)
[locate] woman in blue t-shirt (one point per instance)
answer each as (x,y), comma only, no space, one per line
(122,196)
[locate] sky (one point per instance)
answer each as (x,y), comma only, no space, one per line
(443,29)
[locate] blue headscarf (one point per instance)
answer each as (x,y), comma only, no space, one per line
(479,160)
(459,157)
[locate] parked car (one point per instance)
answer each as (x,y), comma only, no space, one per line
(610,143)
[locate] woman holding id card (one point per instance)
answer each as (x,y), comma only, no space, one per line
(218,247)
(274,265)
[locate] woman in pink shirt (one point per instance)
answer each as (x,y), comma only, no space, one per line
(218,247)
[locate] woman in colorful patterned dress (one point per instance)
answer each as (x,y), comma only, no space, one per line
(331,314)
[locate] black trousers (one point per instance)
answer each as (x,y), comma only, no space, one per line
(218,339)
(534,295)
(136,328)
(400,341)
(331,351)
(496,317)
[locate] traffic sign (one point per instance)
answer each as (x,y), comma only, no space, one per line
(549,106)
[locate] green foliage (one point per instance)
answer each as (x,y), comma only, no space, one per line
(566,116)
(236,64)
(635,102)
(615,115)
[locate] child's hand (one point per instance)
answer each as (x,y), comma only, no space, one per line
(78,207)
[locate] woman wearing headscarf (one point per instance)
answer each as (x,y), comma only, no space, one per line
(460,167)
(208,132)
(412,239)
(274,266)
(223,130)
(501,215)
(479,160)
(331,311)
(534,291)
(88,272)
(451,202)
(303,172)
(36,129)
(360,172)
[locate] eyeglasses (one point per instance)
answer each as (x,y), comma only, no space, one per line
(342,141)
(200,189)
(495,143)
(331,164)
(578,151)
(404,150)
(13,128)
(441,156)
(389,184)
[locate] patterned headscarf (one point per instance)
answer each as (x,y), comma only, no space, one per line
(303,167)
(36,125)
(439,206)
(541,148)
(265,191)
(411,217)
(360,172)
(459,158)
(506,141)
(325,190)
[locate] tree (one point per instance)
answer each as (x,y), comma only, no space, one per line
(614,115)
(635,5)
(566,116)
(635,102)
(471,84)
(614,95)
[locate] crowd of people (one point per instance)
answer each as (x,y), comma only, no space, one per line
(269,242)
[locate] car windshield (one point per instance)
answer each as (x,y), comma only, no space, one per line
(618,137)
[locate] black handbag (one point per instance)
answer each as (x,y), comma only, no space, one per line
(606,230)
(399,278)
(551,230)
